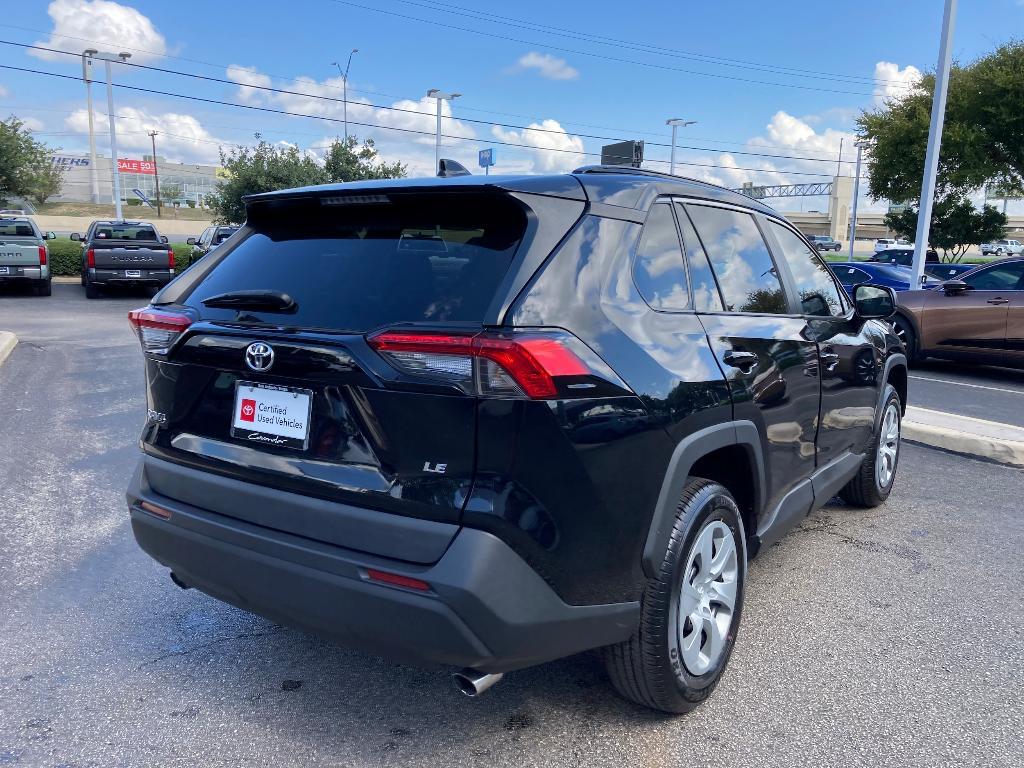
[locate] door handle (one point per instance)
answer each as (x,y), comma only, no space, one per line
(998,300)
(829,360)
(739,359)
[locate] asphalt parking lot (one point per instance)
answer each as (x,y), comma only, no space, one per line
(886,637)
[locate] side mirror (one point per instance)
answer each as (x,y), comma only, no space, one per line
(75,236)
(190,241)
(163,239)
(874,301)
(955,287)
(49,236)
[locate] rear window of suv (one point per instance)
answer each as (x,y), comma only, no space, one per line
(357,266)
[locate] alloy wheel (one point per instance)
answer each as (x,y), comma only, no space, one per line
(707,598)
(888,446)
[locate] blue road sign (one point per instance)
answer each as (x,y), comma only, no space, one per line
(486,158)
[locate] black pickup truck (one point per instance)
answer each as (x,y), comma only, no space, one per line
(124,253)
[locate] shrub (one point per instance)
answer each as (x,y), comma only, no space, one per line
(133,201)
(65,257)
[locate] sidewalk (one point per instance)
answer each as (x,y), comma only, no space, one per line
(991,440)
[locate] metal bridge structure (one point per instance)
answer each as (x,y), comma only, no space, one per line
(823,188)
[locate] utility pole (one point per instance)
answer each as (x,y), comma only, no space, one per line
(434,93)
(156,172)
(112,120)
(839,162)
(856,194)
(87,55)
(676,122)
(344,89)
(931,158)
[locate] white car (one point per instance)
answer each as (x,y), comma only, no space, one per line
(1003,248)
(888,243)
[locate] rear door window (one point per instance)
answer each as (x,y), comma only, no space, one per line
(357,266)
(740,258)
(658,270)
(706,297)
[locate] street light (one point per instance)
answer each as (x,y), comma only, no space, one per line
(856,192)
(344,88)
(87,55)
(434,93)
(111,119)
(676,122)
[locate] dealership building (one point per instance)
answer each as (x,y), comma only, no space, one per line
(179,182)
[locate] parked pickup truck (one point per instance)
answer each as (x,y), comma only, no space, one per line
(1003,248)
(124,253)
(23,253)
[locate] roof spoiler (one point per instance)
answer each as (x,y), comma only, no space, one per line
(446,169)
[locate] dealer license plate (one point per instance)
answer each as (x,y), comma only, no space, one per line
(269,415)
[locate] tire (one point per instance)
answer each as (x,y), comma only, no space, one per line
(44,288)
(655,668)
(905,331)
(91,291)
(874,480)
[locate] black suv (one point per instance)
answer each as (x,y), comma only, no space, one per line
(491,422)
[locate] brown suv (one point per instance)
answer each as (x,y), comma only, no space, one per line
(978,317)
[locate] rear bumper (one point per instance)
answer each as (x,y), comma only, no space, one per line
(160,277)
(19,272)
(486,608)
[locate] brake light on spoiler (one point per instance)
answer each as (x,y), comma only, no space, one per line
(537,365)
(157,329)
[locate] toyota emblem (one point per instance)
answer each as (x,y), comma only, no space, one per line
(259,356)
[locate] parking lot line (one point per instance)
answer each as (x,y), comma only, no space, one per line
(965,384)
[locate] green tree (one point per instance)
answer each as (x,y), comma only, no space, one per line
(169,192)
(347,161)
(45,180)
(23,160)
(263,168)
(983,137)
(956,225)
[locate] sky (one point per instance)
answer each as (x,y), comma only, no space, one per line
(544,84)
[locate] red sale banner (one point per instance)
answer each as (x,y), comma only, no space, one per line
(136,166)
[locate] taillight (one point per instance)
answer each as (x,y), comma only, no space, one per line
(42,255)
(157,329)
(90,259)
(170,259)
(540,365)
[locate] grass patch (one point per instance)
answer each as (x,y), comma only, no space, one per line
(102,211)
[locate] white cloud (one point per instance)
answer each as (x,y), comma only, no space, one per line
(181,137)
(31,123)
(103,24)
(248,76)
(547,66)
(4,92)
(893,81)
(541,138)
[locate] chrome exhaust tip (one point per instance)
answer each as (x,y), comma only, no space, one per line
(473,683)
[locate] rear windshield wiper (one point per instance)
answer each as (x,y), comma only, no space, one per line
(265,301)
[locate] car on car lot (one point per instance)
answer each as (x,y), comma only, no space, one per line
(888,243)
(488,422)
(24,257)
(124,254)
(210,238)
(977,317)
(824,243)
(853,273)
(932,266)
(1002,248)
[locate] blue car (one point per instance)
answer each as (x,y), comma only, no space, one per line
(851,273)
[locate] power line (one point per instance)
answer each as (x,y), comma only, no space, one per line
(487,16)
(394,128)
(302,94)
(576,51)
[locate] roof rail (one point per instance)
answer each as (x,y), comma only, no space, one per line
(627,169)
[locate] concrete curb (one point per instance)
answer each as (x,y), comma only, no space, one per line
(1002,443)
(8,341)
(67,279)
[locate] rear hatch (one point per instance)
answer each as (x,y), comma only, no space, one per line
(19,247)
(129,248)
(266,369)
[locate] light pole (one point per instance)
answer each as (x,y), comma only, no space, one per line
(676,122)
(87,55)
(856,193)
(107,58)
(434,93)
(156,173)
(931,158)
(344,88)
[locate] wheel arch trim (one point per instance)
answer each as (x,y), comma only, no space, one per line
(895,360)
(688,452)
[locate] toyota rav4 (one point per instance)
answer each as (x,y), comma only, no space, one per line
(491,422)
